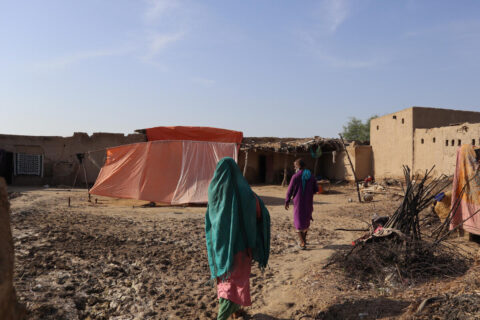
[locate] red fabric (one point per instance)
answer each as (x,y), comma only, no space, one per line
(259,209)
(194,134)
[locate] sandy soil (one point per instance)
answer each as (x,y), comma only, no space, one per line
(113,259)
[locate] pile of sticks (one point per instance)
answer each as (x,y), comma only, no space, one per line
(409,255)
(419,194)
(389,262)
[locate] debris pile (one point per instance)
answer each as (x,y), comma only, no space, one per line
(392,261)
(450,306)
(458,299)
(396,251)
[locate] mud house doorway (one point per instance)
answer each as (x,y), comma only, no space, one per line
(6,166)
(262,168)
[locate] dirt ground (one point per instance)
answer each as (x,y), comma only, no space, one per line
(113,259)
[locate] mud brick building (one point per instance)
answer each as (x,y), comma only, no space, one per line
(420,138)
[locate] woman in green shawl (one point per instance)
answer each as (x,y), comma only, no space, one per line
(237,226)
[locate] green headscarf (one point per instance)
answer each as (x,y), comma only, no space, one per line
(231,225)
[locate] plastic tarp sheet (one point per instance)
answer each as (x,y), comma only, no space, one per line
(174,172)
(194,134)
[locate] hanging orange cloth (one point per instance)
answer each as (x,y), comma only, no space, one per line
(467,178)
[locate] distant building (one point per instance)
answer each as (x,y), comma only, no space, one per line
(270,160)
(421,138)
(37,160)
(53,160)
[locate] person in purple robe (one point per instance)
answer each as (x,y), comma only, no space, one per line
(301,189)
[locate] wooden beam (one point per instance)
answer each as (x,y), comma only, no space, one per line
(284,181)
(353,169)
(246,163)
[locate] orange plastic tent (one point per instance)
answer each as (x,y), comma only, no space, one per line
(175,166)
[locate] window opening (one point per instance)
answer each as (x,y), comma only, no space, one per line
(28,164)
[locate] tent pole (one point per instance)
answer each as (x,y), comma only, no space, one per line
(353,169)
(86,181)
(284,182)
(76,175)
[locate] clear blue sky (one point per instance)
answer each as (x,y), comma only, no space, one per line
(267,68)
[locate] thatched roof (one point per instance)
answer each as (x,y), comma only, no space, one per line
(290,145)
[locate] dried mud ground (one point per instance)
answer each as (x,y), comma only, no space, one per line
(113,259)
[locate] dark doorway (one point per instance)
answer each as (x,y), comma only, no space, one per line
(262,168)
(6,166)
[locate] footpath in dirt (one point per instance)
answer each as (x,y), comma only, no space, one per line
(113,259)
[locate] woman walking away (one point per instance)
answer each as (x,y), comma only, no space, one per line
(302,187)
(237,227)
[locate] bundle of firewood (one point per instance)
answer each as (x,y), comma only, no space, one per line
(419,194)
(402,251)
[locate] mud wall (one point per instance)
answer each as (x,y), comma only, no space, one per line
(396,137)
(60,164)
(361,157)
(438,146)
(434,117)
(266,167)
(331,165)
(9,308)
(391,138)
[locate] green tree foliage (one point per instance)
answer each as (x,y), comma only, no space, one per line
(356,129)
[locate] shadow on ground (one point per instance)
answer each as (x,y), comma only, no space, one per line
(337,247)
(277,201)
(273,201)
(364,309)
(331,191)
